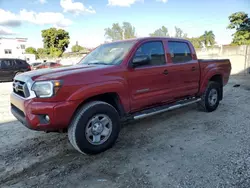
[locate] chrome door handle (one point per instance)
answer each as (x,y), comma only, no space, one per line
(165,72)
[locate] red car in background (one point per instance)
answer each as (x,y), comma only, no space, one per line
(47,65)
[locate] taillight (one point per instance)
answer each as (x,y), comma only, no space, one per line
(29,67)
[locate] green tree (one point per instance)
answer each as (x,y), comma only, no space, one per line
(241,23)
(128,30)
(196,41)
(56,41)
(179,33)
(77,48)
(208,38)
(42,52)
(31,50)
(161,32)
(117,32)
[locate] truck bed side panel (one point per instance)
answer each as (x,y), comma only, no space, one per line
(212,67)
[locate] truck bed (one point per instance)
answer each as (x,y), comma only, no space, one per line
(213,60)
(221,65)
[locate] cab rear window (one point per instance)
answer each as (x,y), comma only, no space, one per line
(179,52)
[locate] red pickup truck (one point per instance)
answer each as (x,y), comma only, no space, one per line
(117,81)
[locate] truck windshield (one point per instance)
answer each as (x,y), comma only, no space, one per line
(108,54)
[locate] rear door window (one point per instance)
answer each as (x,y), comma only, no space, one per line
(179,52)
(19,63)
(25,64)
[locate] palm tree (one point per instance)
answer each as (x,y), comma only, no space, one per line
(208,38)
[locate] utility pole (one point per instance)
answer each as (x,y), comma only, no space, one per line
(246,65)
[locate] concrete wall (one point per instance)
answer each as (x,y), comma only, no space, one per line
(238,55)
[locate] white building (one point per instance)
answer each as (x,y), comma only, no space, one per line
(15,48)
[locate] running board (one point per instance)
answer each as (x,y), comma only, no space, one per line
(157,110)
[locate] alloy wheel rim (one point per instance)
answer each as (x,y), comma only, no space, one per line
(212,97)
(98,129)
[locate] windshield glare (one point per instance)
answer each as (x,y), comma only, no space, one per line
(108,54)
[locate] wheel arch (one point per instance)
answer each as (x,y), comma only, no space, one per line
(111,98)
(215,77)
(218,79)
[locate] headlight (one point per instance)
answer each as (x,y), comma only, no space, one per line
(46,89)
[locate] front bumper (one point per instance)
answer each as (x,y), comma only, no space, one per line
(19,115)
(30,113)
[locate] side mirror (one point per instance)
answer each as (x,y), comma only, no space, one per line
(140,60)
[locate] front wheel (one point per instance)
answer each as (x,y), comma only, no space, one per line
(95,128)
(210,98)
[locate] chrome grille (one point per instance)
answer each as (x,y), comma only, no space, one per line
(21,89)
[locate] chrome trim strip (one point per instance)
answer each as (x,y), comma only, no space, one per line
(29,82)
(166,109)
(142,90)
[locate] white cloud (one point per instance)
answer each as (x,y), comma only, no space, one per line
(44,18)
(164,1)
(122,3)
(43,1)
(75,7)
(10,19)
(6,31)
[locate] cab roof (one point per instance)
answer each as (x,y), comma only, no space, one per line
(151,38)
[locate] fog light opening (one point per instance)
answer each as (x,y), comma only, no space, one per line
(47,118)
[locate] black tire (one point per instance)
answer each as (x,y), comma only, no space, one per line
(204,103)
(76,131)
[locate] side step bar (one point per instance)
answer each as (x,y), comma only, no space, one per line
(157,110)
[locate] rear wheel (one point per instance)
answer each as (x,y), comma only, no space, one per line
(94,128)
(210,98)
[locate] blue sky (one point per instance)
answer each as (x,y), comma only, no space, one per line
(85,20)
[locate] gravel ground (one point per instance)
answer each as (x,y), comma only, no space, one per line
(185,148)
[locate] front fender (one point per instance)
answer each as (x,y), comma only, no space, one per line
(88,91)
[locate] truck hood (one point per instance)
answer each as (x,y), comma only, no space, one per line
(56,73)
